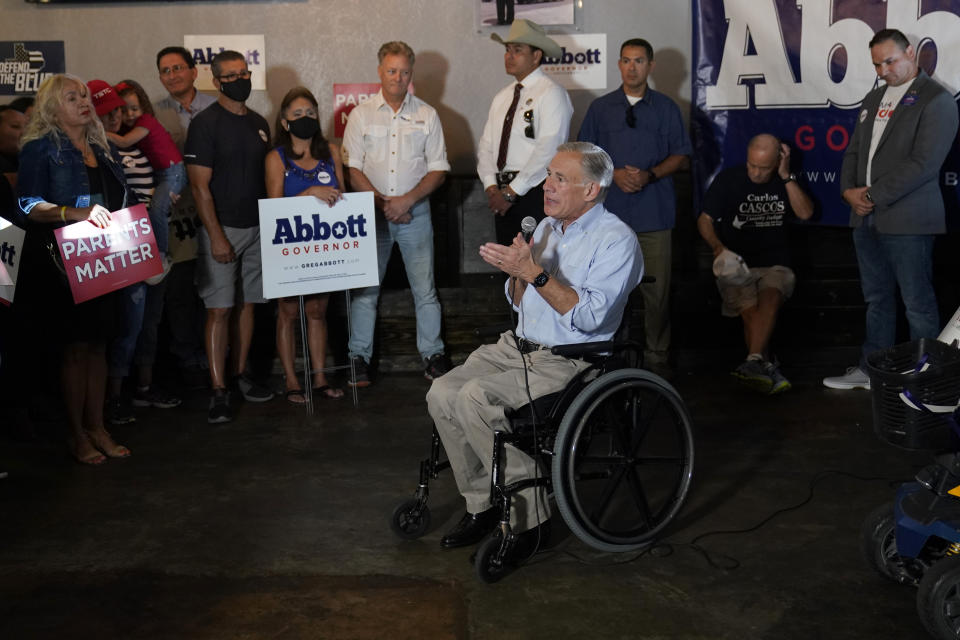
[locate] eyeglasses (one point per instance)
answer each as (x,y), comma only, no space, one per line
(631,117)
(230,77)
(177,68)
(528,118)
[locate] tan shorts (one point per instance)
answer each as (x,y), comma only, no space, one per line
(736,298)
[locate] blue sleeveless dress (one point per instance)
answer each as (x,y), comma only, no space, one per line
(296,180)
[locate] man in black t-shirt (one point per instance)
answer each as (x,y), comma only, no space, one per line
(744,220)
(225,151)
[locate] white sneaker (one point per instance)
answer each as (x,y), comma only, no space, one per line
(854,378)
(157,279)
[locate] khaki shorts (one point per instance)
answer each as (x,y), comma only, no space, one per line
(736,298)
(218,282)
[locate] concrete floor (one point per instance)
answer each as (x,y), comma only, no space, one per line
(276,526)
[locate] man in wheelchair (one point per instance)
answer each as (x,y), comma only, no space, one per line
(569,284)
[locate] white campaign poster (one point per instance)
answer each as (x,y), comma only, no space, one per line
(582,63)
(204,48)
(311,247)
(11,248)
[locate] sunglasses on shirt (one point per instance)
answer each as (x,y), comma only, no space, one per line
(528,118)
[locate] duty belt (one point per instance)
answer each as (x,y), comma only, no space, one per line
(505,177)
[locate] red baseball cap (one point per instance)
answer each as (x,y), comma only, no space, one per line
(104,98)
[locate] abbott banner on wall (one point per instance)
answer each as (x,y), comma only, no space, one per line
(204,48)
(582,63)
(311,247)
(800,73)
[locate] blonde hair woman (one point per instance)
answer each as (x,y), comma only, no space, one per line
(68,174)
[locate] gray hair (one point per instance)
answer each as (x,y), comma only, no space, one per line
(395,48)
(595,164)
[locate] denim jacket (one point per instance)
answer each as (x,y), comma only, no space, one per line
(57,175)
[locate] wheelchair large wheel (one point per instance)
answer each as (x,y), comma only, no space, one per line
(878,543)
(938,599)
(623,460)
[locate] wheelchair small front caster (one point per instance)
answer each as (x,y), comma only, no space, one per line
(489,564)
(411,519)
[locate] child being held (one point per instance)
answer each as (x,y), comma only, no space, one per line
(143,130)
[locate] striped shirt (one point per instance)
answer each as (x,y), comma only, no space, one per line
(139,174)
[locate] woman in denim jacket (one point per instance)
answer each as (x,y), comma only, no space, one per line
(68,174)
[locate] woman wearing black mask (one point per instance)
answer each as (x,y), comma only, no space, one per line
(303,164)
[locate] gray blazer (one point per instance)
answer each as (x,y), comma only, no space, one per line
(906,166)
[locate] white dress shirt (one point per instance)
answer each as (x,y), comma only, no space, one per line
(529,157)
(394,150)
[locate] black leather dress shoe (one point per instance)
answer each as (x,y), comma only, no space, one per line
(471,529)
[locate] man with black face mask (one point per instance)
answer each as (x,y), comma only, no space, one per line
(225,150)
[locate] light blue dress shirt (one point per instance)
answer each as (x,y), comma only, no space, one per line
(599,257)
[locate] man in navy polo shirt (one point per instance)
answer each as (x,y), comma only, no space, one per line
(643,132)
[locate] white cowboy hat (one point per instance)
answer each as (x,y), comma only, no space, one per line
(526,32)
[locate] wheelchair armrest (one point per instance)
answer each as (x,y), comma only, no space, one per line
(582,349)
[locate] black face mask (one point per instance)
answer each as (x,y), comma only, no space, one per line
(304,128)
(238,90)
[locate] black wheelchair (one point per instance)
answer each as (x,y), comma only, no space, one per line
(617,442)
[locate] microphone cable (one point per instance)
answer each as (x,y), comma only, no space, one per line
(662,548)
(527,227)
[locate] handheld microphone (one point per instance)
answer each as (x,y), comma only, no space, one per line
(527,226)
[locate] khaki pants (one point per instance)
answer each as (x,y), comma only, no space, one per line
(657,262)
(467,405)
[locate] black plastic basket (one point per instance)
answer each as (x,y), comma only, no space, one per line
(894,371)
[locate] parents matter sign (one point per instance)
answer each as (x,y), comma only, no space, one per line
(346,97)
(311,247)
(98,261)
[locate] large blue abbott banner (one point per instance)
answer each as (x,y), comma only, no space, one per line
(799,69)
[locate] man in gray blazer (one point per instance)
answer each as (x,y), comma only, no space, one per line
(890,178)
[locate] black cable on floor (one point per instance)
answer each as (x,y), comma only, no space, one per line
(665,548)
